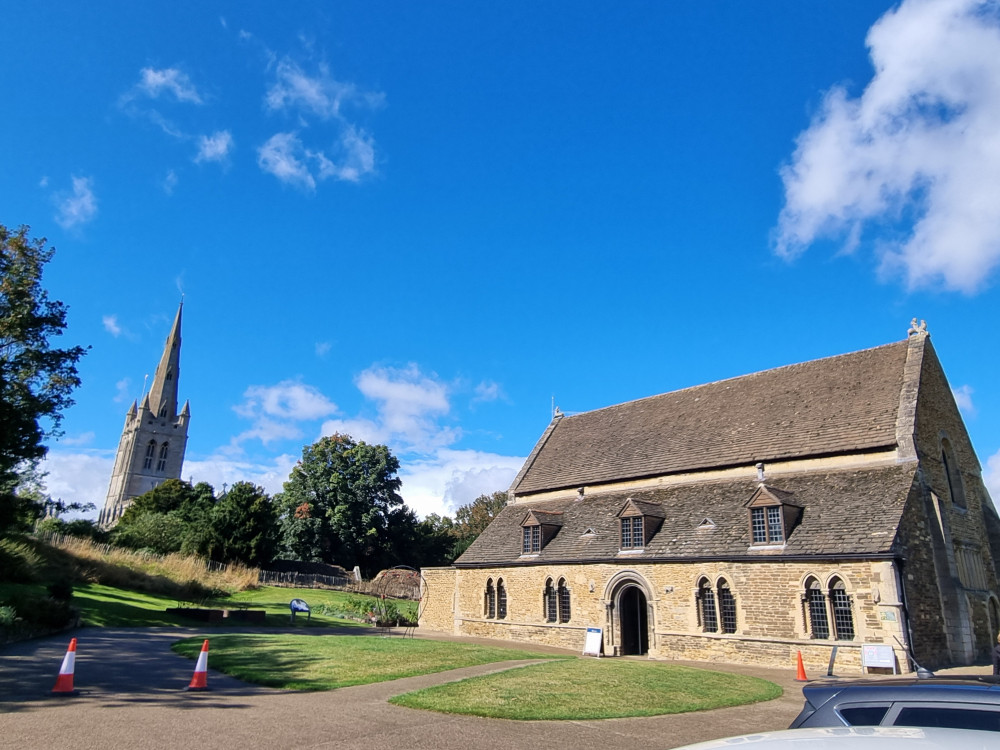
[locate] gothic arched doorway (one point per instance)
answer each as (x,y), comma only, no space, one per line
(633,620)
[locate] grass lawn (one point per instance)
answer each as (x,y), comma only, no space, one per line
(105,606)
(591,689)
(300,662)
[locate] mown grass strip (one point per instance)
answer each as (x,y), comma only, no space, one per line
(302,662)
(591,689)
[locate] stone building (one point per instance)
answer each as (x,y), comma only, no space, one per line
(153,440)
(818,507)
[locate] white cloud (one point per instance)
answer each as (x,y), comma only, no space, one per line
(963,398)
(78,477)
(921,140)
(111,325)
(169,182)
(322,348)
(486,391)
(285,156)
(215,147)
(992,478)
(275,410)
(122,391)
(153,82)
(218,470)
(452,478)
(280,156)
(84,438)
(289,399)
(408,405)
(320,94)
(79,207)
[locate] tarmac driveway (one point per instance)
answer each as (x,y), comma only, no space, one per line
(132,696)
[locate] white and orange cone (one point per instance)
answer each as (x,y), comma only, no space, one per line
(64,682)
(200,679)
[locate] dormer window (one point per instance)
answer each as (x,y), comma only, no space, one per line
(638,522)
(766,525)
(537,529)
(532,541)
(773,515)
(632,536)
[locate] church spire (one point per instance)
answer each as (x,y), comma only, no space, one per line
(162,397)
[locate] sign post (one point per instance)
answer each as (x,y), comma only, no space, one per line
(878,655)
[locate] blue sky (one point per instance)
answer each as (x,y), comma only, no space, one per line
(421,223)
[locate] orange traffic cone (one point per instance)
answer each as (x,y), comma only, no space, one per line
(200,679)
(800,674)
(64,682)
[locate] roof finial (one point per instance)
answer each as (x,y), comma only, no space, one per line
(917,328)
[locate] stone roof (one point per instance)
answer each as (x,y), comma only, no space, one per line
(842,404)
(846,512)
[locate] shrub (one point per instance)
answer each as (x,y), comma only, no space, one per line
(61,591)
(19,562)
(7,616)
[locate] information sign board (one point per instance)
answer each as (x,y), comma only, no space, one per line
(593,643)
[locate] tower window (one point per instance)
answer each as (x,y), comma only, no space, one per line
(163,411)
(161,465)
(150,454)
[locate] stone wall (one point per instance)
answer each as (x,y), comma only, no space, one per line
(772,624)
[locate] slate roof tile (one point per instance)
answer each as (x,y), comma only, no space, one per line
(847,512)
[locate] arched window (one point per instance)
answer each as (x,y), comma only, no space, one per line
(727,607)
(843,619)
(163,411)
(490,600)
(563,601)
(706,607)
(170,375)
(150,454)
(956,490)
(501,599)
(549,601)
(819,626)
(161,465)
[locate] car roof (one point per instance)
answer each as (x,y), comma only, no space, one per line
(979,688)
(858,738)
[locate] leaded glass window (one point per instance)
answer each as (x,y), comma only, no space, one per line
(843,618)
(563,601)
(706,600)
(161,465)
(549,601)
(632,533)
(727,608)
(491,600)
(766,525)
(501,599)
(816,602)
(150,454)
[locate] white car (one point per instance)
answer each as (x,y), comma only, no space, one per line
(857,738)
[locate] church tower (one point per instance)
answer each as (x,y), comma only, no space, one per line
(154,438)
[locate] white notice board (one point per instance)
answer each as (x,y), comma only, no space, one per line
(878,655)
(592,645)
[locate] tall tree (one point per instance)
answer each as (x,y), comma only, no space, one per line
(36,379)
(243,525)
(472,519)
(341,504)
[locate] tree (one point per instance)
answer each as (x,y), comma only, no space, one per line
(36,379)
(341,504)
(243,526)
(472,519)
(172,517)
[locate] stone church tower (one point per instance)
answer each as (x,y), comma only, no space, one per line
(152,445)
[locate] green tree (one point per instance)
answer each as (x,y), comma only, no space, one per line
(243,526)
(36,379)
(174,516)
(472,519)
(341,504)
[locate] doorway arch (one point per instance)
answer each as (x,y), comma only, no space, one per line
(633,621)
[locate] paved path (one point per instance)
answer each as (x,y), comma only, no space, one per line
(131,696)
